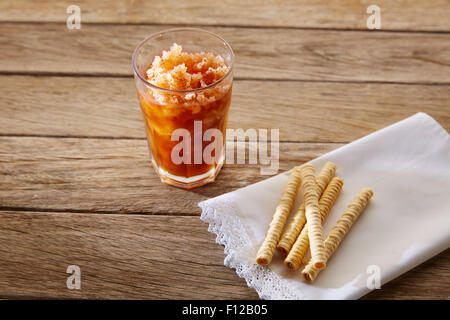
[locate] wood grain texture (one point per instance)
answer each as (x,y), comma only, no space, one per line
(103,175)
(124,257)
(304,112)
(145,257)
(431,15)
(283,54)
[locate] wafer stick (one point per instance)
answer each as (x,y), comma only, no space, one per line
(299,219)
(301,245)
(312,212)
(267,249)
(339,231)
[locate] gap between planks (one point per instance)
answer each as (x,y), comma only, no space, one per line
(125,76)
(75,211)
(183,25)
(12,135)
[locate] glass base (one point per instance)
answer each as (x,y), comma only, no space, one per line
(187,182)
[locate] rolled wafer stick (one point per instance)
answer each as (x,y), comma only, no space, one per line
(301,245)
(312,212)
(299,219)
(267,249)
(339,231)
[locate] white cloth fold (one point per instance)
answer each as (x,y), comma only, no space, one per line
(407,221)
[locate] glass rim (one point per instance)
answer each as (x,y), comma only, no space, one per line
(153,35)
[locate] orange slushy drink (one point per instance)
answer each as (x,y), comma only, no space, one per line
(188,91)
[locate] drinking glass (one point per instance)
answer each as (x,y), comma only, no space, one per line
(186,139)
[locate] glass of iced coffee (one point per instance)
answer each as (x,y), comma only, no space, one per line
(184,79)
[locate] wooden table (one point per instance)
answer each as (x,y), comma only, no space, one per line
(76,185)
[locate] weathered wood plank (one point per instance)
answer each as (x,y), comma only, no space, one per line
(395,15)
(310,111)
(119,257)
(144,257)
(104,175)
(284,54)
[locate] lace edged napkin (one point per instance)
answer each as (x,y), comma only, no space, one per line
(407,221)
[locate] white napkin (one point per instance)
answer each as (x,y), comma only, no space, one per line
(406,222)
